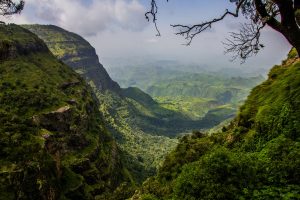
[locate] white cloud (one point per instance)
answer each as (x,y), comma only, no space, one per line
(85,19)
(125,34)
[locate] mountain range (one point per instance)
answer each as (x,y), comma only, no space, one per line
(136,120)
(68,131)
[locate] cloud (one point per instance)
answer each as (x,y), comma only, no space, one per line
(48,11)
(86,18)
(152,40)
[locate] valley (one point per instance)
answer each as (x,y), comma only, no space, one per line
(143,125)
(84,136)
(94,107)
(248,158)
(204,96)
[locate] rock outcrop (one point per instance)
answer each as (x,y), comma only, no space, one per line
(76,52)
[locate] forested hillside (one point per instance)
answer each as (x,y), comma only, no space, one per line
(255,157)
(140,125)
(133,117)
(54,144)
(213,121)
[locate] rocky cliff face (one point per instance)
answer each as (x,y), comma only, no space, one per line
(76,52)
(54,144)
(140,125)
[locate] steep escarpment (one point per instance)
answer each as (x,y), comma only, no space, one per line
(257,156)
(144,129)
(10,49)
(76,52)
(136,121)
(53,141)
(142,112)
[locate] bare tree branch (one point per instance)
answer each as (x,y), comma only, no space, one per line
(246,42)
(281,15)
(152,13)
(189,32)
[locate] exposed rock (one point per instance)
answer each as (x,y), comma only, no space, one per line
(76,52)
(59,120)
(7,50)
(69,84)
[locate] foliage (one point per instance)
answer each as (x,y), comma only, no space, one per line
(144,151)
(255,157)
(128,113)
(141,126)
(52,136)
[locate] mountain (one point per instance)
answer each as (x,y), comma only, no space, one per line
(136,121)
(54,144)
(61,138)
(144,127)
(144,112)
(196,95)
(75,51)
(164,81)
(256,156)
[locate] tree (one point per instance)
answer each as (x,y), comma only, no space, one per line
(281,15)
(9,7)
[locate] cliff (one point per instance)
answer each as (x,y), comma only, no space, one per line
(54,144)
(76,52)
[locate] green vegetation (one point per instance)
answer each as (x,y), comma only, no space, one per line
(141,126)
(192,107)
(257,156)
(76,52)
(130,114)
(144,151)
(55,145)
(53,141)
(205,97)
(165,81)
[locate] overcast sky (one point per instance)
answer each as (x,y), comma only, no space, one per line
(118,30)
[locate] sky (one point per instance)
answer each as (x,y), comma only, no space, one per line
(121,34)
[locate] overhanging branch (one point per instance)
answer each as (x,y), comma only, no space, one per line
(152,14)
(189,32)
(246,42)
